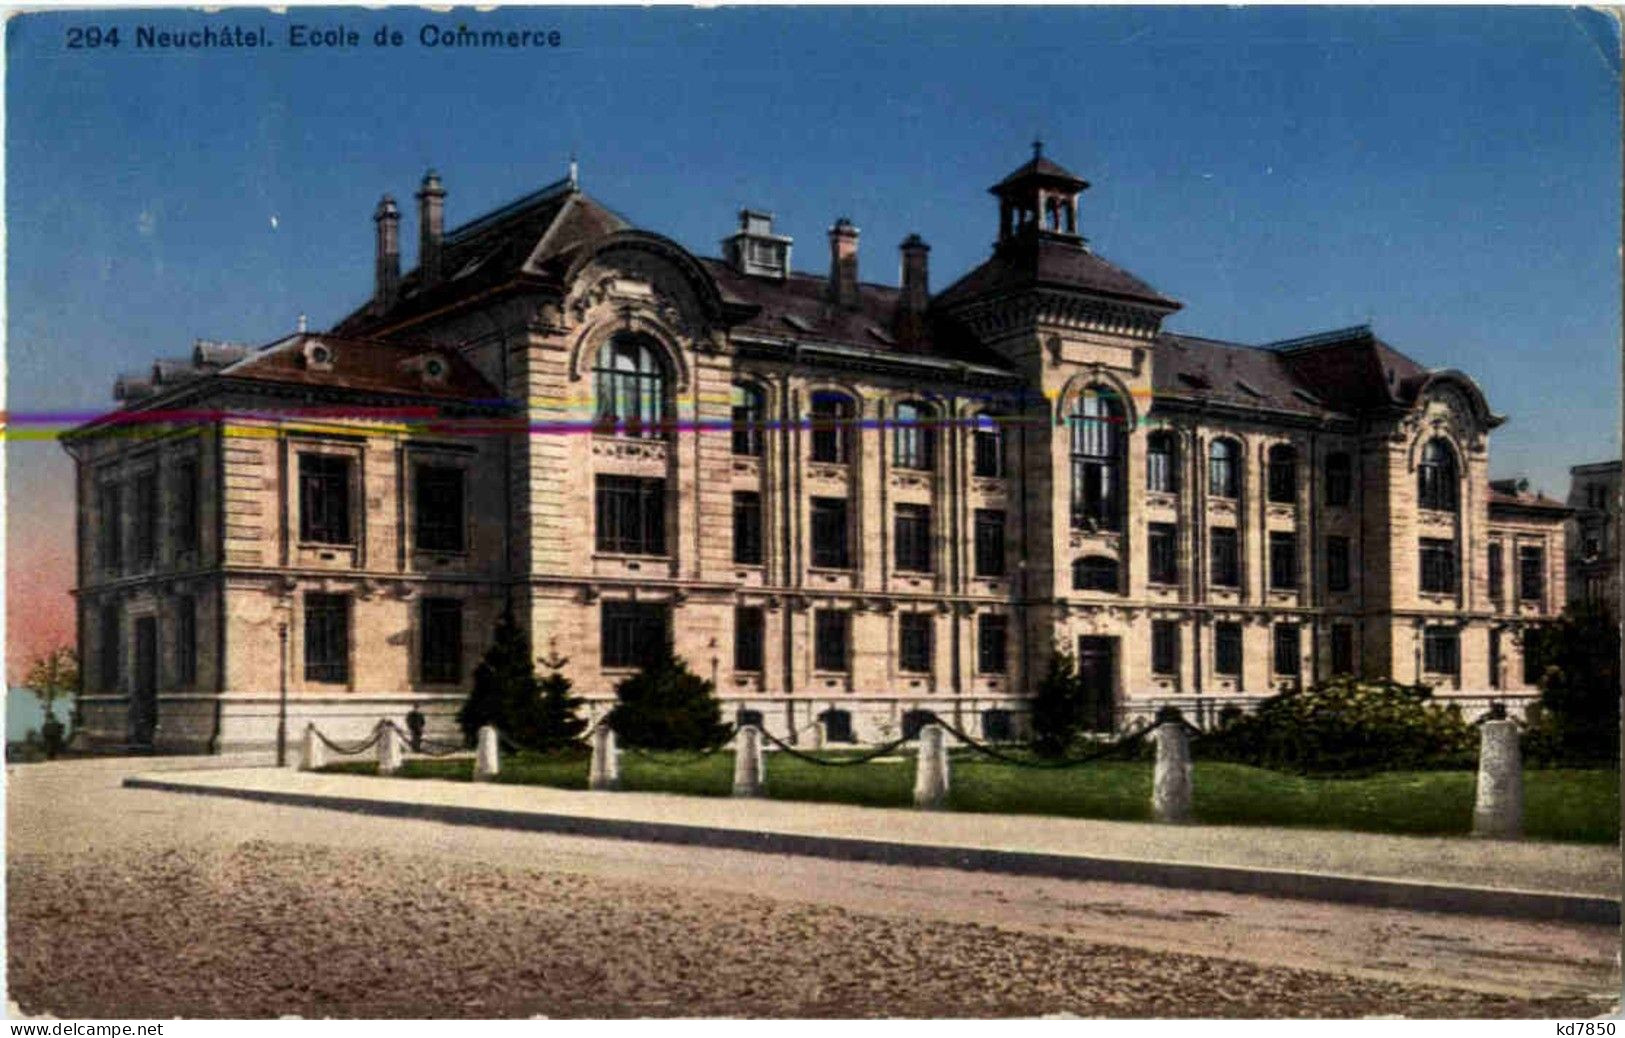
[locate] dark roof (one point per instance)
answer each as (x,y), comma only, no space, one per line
(1036,260)
(798,308)
(1352,369)
(1190,367)
(364,366)
(1536,501)
(531,237)
(1038,168)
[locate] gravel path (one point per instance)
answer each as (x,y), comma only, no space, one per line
(261,928)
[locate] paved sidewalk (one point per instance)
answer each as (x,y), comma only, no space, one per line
(1490,877)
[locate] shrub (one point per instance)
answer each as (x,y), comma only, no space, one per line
(534,714)
(1577,658)
(666,706)
(1057,708)
(1347,726)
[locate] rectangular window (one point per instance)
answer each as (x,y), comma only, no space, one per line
(1227,649)
(145,519)
(324,499)
(998,725)
(111,509)
(1441,652)
(1283,478)
(1531,573)
(327,638)
(1164,647)
(912,543)
(1159,465)
(1339,479)
(633,634)
(989,543)
(1531,671)
(1438,566)
(748,639)
(110,637)
(829,533)
(1162,548)
(1342,648)
(747,528)
(832,629)
(631,515)
(1497,574)
(185,641)
(992,632)
(1224,569)
(1288,658)
(914,642)
(186,524)
(1283,560)
(438,508)
(441,649)
(1338,575)
(988,446)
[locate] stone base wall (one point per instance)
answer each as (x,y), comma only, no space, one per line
(240,722)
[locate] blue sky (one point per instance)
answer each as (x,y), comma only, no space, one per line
(1451,175)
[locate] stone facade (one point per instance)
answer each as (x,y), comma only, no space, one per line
(840,501)
(1594,555)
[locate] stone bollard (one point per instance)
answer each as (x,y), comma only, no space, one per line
(313,755)
(748,769)
(389,750)
(605,772)
(931,769)
(487,762)
(1498,810)
(1171,778)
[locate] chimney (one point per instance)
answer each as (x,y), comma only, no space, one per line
(431,224)
(843,264)
(387,279)
(916,293)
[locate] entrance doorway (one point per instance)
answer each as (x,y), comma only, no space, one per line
(1097,674)
(144,690)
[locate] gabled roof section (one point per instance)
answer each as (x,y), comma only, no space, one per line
(1189,367)
(798,309)
(1352,368)
(529,239)
(364,366)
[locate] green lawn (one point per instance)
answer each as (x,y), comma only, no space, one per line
(1573,805)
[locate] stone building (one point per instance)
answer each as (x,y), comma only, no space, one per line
(1594,557)
(840,500)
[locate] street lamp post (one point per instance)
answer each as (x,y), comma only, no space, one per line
(282,699)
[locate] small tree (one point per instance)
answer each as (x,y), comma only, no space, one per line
(504,682)
(557,719)
(52,676)
(666,706)
(1057,709)
(1577,659)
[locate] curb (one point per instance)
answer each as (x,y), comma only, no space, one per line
(1307,886)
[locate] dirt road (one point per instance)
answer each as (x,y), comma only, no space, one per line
(132,903)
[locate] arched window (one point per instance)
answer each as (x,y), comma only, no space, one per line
(630,383)
(914,441)
(988,437)
(1339,478)
(1224,469)
(1097,459)
(1094,573)
(832,427)
(1161,471)
(1283,484)
(1436,476)
(748,412)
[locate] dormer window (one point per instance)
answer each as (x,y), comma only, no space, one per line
(755,250)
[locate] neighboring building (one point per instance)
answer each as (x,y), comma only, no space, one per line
(842,501)
(1594,557)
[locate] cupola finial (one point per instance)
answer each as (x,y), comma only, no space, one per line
(1038,147)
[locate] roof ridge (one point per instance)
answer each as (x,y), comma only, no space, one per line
(502,212)
(1316,339)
